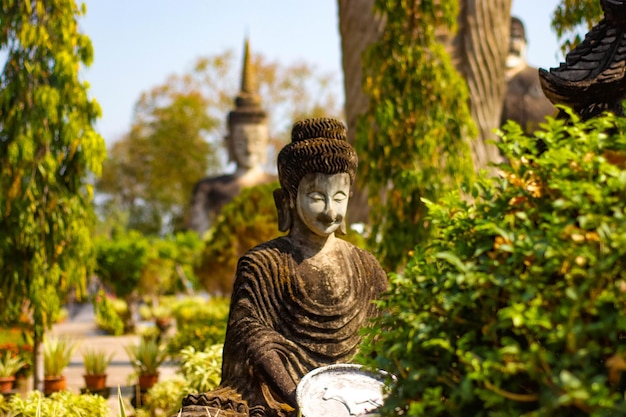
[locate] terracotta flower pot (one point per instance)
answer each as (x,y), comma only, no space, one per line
(163,323)
(147,381)
(95,382)
(54,384)
(6,383)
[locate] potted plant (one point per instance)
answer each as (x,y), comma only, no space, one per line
(145,358)
(96,363)
(9,366)
(57,353)
(162,317)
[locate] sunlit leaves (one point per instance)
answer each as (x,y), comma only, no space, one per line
(573,17)
(413,140)
(516,307)
(48,148)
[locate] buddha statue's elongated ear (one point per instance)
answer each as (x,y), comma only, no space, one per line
(281,200)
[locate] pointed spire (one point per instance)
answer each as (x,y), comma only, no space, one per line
(248,83)
(248,95)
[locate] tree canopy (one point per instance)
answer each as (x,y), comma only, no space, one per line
(48,150)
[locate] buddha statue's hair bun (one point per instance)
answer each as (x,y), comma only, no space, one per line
(317,145)
(322,127)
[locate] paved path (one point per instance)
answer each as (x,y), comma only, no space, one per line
(81,327)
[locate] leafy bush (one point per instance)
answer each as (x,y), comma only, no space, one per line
(243,223)
(517,306)
(109,313)
(63,403)
(165,398)
(200,323)
(200,371)
(121,260)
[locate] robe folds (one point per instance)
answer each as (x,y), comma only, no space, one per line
(276,308)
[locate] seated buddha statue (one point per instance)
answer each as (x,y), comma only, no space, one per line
(298,301)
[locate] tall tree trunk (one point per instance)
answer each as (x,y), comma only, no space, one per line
(479,52)
(359,28)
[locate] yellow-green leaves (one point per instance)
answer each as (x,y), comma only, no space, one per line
(413,142)
(48,148)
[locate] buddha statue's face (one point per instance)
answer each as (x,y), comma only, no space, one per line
(248,145)
(322,202)
(517,47)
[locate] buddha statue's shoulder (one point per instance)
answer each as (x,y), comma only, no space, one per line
(279,248)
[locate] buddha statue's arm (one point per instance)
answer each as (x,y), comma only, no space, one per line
(276,376)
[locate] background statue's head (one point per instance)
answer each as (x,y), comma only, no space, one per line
(247,144)
(317,146)
(517,44)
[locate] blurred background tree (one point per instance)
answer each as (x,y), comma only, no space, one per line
(176,137)
(48,150)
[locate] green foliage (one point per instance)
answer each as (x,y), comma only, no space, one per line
(108,315)
(245,222)
(96,361)
(151,172)
(63,403)
(129,261)
(121,260)
(10,365)
(517,307)
(146,357)
(57,354)
(171,263)
(200,323)
(572,17)
(164,399)
(412,141)
(21,348)
(200,371)
(48,149)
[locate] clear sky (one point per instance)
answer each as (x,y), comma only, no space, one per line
(138,43)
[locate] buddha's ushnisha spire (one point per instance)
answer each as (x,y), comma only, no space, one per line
(248,96)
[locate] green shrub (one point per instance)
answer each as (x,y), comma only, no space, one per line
(165,398)
(64,403)
(200,323)
(121,259)
(200,371)
(517,305)
(243,223)
(108,313)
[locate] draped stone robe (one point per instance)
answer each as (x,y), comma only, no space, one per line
(279,305)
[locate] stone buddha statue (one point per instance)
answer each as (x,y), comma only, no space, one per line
(246,142)
(524,101)
(299,300)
